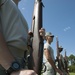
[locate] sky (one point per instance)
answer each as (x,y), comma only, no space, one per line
(58,18)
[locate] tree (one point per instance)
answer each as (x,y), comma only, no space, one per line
(71,59)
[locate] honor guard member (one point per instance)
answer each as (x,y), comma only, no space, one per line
(48,56)
(13,39)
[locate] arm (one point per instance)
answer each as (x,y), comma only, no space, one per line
(6,57)
(50,60)
(48,56)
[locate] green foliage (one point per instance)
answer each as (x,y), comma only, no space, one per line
(72,68)
(72,73)
(71,59)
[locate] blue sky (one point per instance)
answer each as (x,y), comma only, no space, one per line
(58,18)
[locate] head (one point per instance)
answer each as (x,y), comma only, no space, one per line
(60,48)
(49,37)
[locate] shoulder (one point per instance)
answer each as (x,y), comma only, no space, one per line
(47,46)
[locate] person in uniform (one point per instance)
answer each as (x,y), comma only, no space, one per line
(13,39)
(48,56)
(61,61)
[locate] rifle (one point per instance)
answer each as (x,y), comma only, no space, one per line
(66,62)
(58,53)
(36,54)
(57,46)
(59,58)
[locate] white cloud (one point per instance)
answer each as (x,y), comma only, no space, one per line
(23,8)
(67,28)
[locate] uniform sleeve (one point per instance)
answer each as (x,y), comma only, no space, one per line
(46,46)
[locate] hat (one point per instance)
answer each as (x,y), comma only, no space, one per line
(49,34)
(60,48)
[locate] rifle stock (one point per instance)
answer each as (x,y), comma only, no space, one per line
(66,62)
(57,46)
(36,54)
(59,57)
(58,53)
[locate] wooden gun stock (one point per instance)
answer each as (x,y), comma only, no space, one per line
(58,53)
(66,63)
(36,54)
(57,46)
